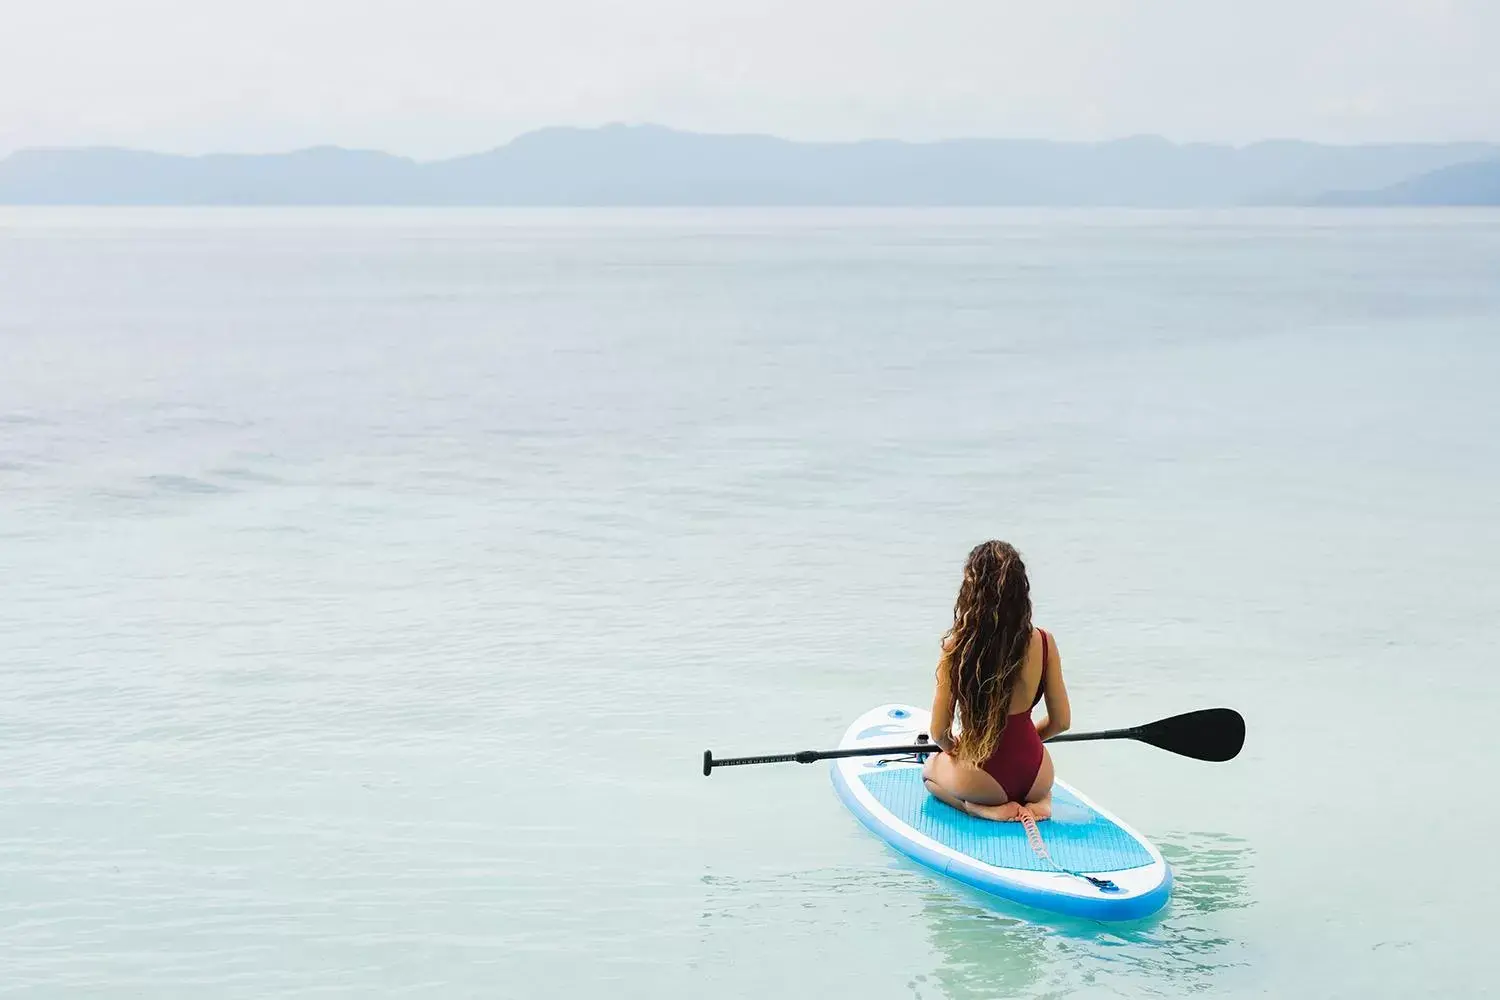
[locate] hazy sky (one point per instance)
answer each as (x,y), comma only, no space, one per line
(438,77)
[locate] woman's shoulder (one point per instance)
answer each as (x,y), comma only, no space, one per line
(1045,641)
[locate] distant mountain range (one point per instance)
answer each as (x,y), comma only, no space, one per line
(1475,182)
(650,165)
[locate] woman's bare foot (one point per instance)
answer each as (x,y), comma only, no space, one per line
(1042,808)
(1006,812)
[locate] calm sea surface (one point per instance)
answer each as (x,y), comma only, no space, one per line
(371,583)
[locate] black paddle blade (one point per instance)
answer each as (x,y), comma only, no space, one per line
(1209,734)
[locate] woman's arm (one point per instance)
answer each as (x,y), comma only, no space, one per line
(1059,713)
(942,706)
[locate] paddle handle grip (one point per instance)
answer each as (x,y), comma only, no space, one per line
(709,763)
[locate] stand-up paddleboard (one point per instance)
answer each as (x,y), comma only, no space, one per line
(1108,871)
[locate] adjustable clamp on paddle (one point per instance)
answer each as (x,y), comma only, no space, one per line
(923,740)
(916,754)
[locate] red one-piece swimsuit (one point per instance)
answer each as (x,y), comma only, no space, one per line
(1017,759)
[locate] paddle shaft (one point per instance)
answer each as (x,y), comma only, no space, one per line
(1133,733)
(813,756)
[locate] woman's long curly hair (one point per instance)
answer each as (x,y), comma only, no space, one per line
(984,650)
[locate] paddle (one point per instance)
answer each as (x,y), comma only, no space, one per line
(1215,734)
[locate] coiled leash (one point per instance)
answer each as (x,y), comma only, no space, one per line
(1034,838)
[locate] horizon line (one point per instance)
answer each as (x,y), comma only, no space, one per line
(617,126)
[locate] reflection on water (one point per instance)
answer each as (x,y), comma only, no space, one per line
(737,898)
(1186,947)
(824,927)
(1209,869)
(986,948)
(984,953)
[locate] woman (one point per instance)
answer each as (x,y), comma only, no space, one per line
(995,667)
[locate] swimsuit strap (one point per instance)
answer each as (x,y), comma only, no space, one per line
(1041,684)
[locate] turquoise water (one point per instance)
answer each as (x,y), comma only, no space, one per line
(371,583)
